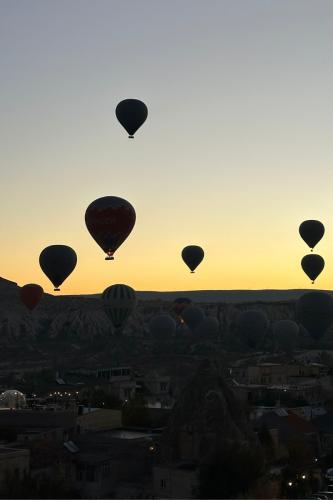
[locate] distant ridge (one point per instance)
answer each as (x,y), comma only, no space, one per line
(227,296)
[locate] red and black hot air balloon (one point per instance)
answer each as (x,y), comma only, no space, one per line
(110,220)
(31,295)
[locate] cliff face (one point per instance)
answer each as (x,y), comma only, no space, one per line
(206,415)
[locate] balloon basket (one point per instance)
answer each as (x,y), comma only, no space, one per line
(56,289)
(109,258)
(131,136)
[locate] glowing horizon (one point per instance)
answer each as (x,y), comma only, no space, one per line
(236,151)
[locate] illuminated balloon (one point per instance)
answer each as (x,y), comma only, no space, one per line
(312,265)
(119,303)
(131,113)
(31,295)
(252,327)
(192,256)
(162,326)
(315,312)
(57,262)
(110,220)
(311,232)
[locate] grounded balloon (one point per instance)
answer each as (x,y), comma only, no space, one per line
(57,262)
(31,295)
(110,220)
(119,303)
(312,232)
(193,316)
(252,327)
(180,304)
(192,256)
(315,312)
(286,334)
(131,113)
(312,265)
(162,326)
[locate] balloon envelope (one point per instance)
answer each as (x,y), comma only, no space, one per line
(312,265)
(192,256)
(119,303)
(131,113)
(57,262)
(110,220)
(315,312)
(311,232)
(162,326)
(31,295)
(193,316)
(252,326)
(180,304)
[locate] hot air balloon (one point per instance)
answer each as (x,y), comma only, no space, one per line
(110,220)
(193,316)
(179,305)
(31,295)
(312,232)
(252,327)
(119,303)
(57,262)
(131,113)
(286,334)
(315,312)
(162,326)
(312,265)
(192,256)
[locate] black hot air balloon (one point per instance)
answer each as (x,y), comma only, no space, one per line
(312,264)
(192,255)
(119,302)
(110,220)
(315,312)
(31,295)
(131,113)
(57,262)
(311,232)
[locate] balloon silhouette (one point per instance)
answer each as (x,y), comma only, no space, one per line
(119,302)
(311,232)
(131,113)
(110,220)
(312,264)
(57,262)
(192,256)
(31,295)
(315,312)
(179,305)
(193,316)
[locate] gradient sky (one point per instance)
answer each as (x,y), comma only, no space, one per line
(236,152)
